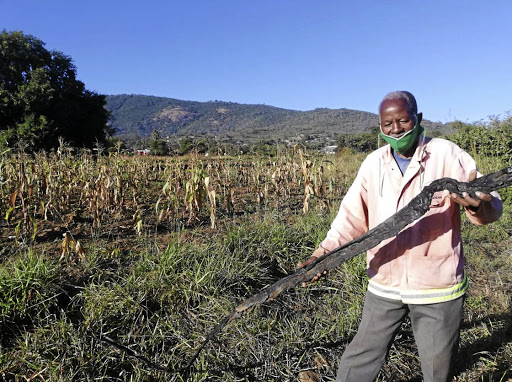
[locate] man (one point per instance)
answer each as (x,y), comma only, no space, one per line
(421,270)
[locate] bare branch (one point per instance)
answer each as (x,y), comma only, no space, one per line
(416,208)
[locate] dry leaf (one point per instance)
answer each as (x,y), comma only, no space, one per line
(65,245)
(12,198)
(309,376)
(320,361)
(79,250)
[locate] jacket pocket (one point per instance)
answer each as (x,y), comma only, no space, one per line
(433,272)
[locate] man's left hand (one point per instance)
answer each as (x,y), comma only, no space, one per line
(467,201)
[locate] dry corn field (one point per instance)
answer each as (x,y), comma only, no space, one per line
(46,197)
(115,268)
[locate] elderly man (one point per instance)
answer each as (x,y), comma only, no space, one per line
(420,271)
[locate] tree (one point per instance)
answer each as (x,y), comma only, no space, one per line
(363,142)
(493,138)
(42,100)
(264,147)
(157,145)
(186,145)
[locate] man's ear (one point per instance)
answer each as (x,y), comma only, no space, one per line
(420,116)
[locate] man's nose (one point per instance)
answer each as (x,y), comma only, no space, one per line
(396,127)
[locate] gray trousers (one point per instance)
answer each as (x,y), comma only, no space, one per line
(436,329)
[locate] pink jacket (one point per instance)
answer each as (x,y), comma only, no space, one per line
(424,262)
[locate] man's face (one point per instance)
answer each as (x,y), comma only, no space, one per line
(395,119)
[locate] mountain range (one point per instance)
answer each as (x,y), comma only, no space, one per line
(138,116)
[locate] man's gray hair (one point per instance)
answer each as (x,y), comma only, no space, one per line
(412,107)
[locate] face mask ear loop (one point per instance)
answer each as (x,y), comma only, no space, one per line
(422,153)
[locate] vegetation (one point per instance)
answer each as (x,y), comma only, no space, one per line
(116,267)
(361,142)
(491,139)
(41,100)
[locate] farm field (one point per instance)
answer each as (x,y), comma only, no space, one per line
(116,268)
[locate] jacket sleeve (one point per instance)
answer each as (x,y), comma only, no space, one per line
(487,212)
(352,218)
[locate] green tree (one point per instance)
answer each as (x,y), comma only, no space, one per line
(202,145)
(493,138)
(264,147)
(360,142)
(42,100)
(157,145)
(186,145)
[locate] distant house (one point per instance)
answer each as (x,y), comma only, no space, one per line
(143,152)
(329,150)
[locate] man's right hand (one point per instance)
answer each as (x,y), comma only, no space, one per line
(319,252)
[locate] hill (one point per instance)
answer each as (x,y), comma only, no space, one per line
(137,116)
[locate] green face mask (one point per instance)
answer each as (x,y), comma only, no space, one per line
(403,144)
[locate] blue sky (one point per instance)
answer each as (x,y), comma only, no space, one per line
(454,55)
